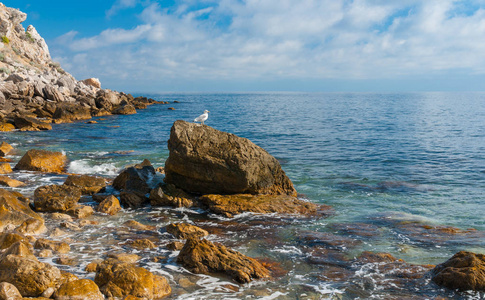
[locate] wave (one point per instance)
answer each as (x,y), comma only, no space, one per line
(84,166)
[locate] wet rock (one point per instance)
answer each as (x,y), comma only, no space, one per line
(19,248)
(56,198)
(71,226)
(45,253)
(5,168)
(80,211)
(88,184)
(170,195)
(357,229)
(230,205)
(30,276)
(66,261)
(464,271)
(31,227)
(127,109)
(132,199)
(137,225)
(327,240)
(175,246)
(14,210)
(185,231)
(56,246)
(117,279)
(205,257)
(91,267)
(136,179)
(24,123)
(77,290)
(5,149)
(207,161)
(7,181)
(110,206)
(125,257)
(42,161)
(68,112)
(61,216)
(10,238)
(8,291)
(141,244)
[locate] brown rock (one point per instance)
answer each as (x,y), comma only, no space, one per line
(19,248)
(66,261)
(207,161)
(56,198)
(45,253)
(30,276)
(127,109)
(94,82)
(68,112)
(175,246)
(88,184)
(8,291)
(132,199)
(14,210)
(5,127)
(8,239)
(185,231)
(7,181)
(79,290)
(170,195)
(464,271)
(117,279)
(137,225)
(125,257)
(31,227)
(91,267)
(230,205)
(5,168)
(135,178)
(203,256)
(110,206)
(52,93)
(58,247)
(141,244)
(5,149)
(80,211)
(43,161)
(24,123)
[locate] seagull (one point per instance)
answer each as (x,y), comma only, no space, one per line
(202,117)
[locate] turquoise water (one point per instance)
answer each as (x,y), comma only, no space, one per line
(377,159)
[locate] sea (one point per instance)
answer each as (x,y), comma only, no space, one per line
(404,174)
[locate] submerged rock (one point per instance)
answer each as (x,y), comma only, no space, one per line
(43,161)
(464,271)
(56,198)
(208,161)
(185,231)
(205,257)
(56,246)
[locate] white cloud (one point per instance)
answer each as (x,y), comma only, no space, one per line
(289,39)
(120,5)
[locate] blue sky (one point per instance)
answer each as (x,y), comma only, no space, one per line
(267,45)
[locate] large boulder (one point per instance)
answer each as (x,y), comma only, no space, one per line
(119,279)
(30,276)
(208,161)
(205,257)
(56,198)
(78,290)
(135,183)
(14,210)
(88,184)
(24,123)
(464,271)
(43,161)
(68,112)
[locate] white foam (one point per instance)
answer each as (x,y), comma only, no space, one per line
(84,166)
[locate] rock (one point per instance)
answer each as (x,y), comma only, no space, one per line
(464,271)
(14,210)
(79,290)
(230,205)
(171,108)
(19,248)
(207,161)
(141,244)
(185,231)
(43,161)
(4,180)
(175,246)
(170,195)
(125,257)
(31,227)
(110,206)
(91,267)
(45,253)
(5,127)
(24,123)
(30,276)
(8,239)
(5,168)
(80,211)
(57,247)
(94,82)
(127,109)
(137,225)
(68,112)
(52,93)
(66,261)
(135,180)
(205,257)
(8,291)
(117,279)
(5,149)
(132,199)
(56,198)
(109,96)
(61,216)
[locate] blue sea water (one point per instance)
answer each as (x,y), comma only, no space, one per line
(380,159)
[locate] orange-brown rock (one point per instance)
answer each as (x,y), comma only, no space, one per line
(8,291)
(24,123)
(5,127)
(170,195)
(10,238)
(137,225)
(80,211)
(125,257)
(56,246)
(42,161)
(230,205)
(14,210)
(175,246)
(141,244)
(56,198)
(7,181)
(88,184)
(31,227)
(79,289)
(118,279)
(207,161)
(110,206)
(5,168)
(127,109)
(20,248)
(203,256)
(464,271)
(5,148)
(94,82)
(68,112)
(185,231)
(30,276)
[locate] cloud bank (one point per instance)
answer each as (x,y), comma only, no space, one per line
(199,42)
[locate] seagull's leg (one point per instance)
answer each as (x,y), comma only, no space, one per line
(202,122)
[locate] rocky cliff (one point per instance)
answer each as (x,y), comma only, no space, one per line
(34,90)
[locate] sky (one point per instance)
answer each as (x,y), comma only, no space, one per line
(267,45)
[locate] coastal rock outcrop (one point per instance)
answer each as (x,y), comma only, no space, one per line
(208,161)
(42,161)
(205,257)
(464,271)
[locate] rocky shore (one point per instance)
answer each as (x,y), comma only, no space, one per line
(208,171)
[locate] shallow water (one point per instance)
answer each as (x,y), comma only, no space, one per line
(395,167)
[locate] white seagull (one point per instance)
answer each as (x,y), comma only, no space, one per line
(202,117)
